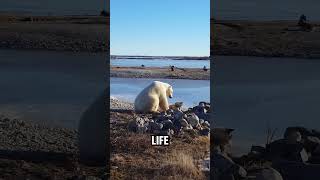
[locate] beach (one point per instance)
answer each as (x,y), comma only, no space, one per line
(47,83)
(34,151)
(57,33)
(158,72)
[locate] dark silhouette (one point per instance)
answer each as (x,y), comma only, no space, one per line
(304,24)
(302,20)
(172,68)
(104,13)
(205,68)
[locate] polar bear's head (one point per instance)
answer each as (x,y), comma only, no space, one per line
(170,91)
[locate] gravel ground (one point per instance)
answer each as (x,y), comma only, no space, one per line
(33,151)
(22,136)
(70,35)
(116,104)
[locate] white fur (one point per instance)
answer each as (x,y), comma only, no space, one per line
(154,98)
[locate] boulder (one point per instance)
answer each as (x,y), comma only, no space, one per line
(284,150)
(224,167)
(184,123)
(178,115)
(167,124)
(138,125)
(268,174)
(193,120)
(303,131)
(154,126)
(312,144)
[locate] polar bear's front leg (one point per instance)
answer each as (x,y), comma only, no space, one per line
(154,104)
(164,105)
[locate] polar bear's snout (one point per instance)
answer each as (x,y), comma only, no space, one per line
(170,92)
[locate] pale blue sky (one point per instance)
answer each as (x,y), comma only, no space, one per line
(160,28)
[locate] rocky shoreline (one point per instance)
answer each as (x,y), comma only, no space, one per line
(153,72)
(264,39)
(130,141)
(295,156)
(34,151)
(76,34)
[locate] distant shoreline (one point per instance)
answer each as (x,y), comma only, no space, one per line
(277,38)
(157,72)
(57,33)
(161,57)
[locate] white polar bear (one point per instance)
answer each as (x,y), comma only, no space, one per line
(153,98)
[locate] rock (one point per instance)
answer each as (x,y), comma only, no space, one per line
(316,151)
(223,166)
(189,127)
(167,132)
(258,150)
(193,120)
(154,126)
(205,132)
(184,123)
(221,136)
(284,150)
(167,124)
(92,178)
(303,131)
(268,174)
(178,114)
(178,105)
(311,144)
(138,125)
(200,111)
(206,124)
(297,171)
(293,136)
(170,111)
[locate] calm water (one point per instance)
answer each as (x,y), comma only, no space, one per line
(254,93)
(265,10)
(161,63)
(191,92)
(50,87)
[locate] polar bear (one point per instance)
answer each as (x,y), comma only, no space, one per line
(153,98)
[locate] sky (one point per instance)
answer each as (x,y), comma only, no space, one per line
(160,28)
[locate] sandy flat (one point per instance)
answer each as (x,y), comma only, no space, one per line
(137,72)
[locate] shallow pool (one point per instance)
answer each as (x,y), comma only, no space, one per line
(160,63)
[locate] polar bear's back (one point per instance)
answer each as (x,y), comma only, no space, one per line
(154,90)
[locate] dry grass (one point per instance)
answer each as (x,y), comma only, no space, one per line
(133,157)
(180,163)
